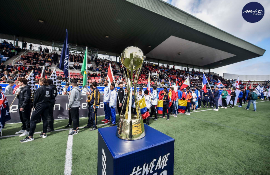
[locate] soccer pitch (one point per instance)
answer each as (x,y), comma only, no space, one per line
(230,141)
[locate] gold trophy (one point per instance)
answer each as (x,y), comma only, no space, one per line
(130,125)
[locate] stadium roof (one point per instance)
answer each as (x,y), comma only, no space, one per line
(161,30)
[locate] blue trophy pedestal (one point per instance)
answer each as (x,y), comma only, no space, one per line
(151,155)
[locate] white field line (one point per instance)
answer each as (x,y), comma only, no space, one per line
(68,162)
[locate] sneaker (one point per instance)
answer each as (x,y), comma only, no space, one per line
(163,117)
(27,139)
(247,109)
(225,107)
(175,115)
(87,126)
(43,136)
(68,125)
(187,113)
(254,110)
(73,132)
(232,107)
(104,120)
(24,134)
(240,106)
(155,119)
(92,129)
(167,119)
(20,132)
(108,121)
(113,124)
(222,107)
(215,109)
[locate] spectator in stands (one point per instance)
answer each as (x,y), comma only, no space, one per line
(9,88)
(65,90)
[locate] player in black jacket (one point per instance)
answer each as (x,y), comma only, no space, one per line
(42,99)
(233,95)
(166,104)
(52,102)
(24,106)
(120,97)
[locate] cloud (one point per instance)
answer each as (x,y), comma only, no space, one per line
(259,68)
(227,15)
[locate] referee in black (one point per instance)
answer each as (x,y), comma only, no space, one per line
(42,99)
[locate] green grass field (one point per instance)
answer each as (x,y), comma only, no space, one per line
(230,141)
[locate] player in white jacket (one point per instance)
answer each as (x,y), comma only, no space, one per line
(154,101)
(148,104)
(113,104)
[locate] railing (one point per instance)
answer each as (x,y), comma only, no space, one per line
(18,57)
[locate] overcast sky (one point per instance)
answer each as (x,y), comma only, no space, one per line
(227,16)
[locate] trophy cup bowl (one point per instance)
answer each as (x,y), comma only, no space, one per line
(130,125)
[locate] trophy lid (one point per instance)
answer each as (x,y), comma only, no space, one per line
(132,53)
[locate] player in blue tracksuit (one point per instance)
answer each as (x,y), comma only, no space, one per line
(179,93)
(113,104)
(216,97)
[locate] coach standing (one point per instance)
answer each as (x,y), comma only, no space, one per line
(52,87)
(73,107)
(24,106)
(42,98)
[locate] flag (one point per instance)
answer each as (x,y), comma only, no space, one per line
(110,74)
(160,107)
(219,84)
(148,84)
(185,84)
(56,82)
(143,108)
(251,86)
(182,105)
(259,89)
(64,56)
(204,82)
(15,89)
(31,83)
(84,68)
(4,111)
(237,83)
